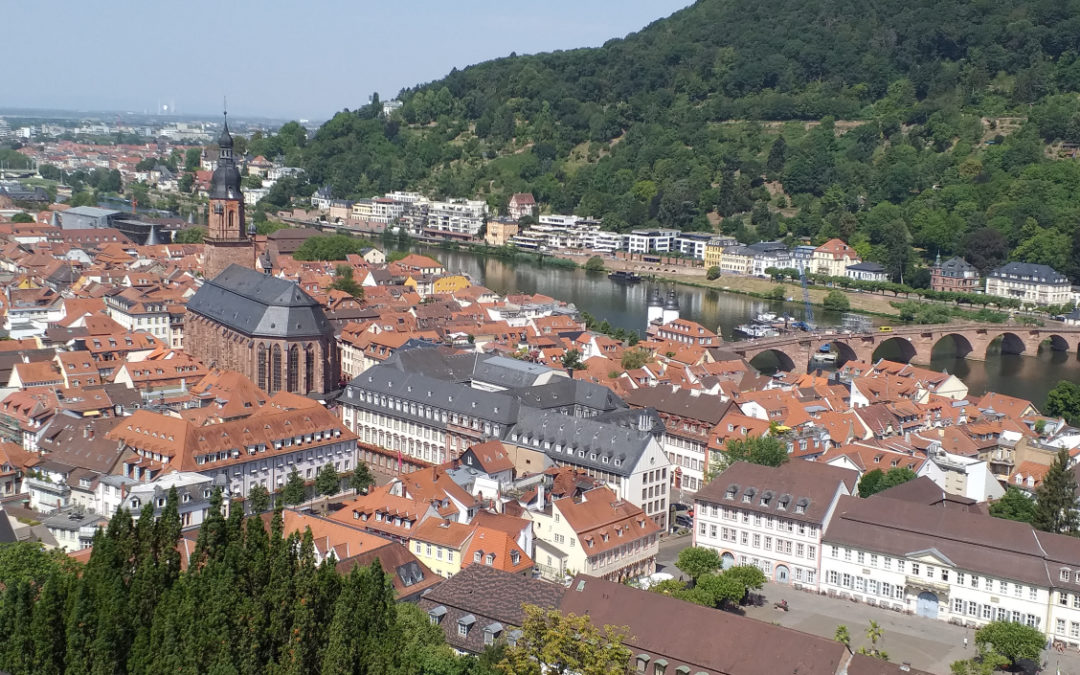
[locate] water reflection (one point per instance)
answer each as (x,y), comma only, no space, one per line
(625,306)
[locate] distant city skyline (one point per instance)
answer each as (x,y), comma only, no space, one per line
(273,59)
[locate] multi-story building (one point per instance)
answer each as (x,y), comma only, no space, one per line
(771,517)
(602,241)
(955,274)
(769,254)
(629,459)
(1029,283)
(193,492)
(651,241)
(737,259)
(688,417)
(952,564)
(260,450)
(692,244)
(462,218)
(267,328)
(599,534)
(521,204)
(136,310)
(866,271)
(832,258)
(714,250)
(500,232)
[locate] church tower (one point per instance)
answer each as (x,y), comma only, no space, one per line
(227,238)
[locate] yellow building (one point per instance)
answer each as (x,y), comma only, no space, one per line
(499,232)
(440,544)
(714,250)
(450,284)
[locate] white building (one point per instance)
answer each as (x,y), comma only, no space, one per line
(460,217)
(771,517)
(866,271)
(947,562)
(1029,283)
(692,244)
(652,241)
(193,492)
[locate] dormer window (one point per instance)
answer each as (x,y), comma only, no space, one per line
(490,560)
(477,556)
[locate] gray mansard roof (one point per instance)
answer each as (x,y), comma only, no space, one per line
(563,391)
(1030,272)
(508,373)
(582,442)
(260,305)
(383,380)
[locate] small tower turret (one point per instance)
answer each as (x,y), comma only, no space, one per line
(656,306)
(671,307)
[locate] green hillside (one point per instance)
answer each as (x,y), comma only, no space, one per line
(908,128)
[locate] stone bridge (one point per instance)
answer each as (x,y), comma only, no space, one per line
(914,343)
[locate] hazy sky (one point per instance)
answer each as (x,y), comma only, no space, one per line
(275,58)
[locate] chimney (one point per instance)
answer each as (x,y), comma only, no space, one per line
(86,431)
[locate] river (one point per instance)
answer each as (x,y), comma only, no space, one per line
(625,306)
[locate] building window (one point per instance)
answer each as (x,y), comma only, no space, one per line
(275,369)
(309,370)
(262,366)
(292,369)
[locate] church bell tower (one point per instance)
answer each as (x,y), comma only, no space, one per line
(227,238)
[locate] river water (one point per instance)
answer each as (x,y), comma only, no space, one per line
(625,306)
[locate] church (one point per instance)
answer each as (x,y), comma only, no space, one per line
(240,319)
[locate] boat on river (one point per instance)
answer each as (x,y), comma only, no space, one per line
(625,277)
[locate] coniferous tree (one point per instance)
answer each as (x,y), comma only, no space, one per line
(1055,499)
(46,627)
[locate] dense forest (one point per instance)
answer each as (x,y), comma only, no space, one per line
(909,129)
(251,601)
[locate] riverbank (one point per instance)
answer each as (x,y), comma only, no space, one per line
(863,303)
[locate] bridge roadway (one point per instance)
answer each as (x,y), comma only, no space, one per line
(916,343)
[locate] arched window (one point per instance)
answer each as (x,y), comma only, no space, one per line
(232,221)
(294,357)
(275,370)
(262,366)
(309,369)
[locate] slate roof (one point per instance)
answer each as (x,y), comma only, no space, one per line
(488,596)
(259,305)
(867,267)
(387,380)
(1030,271)
(582,442)
(956,268)
(682,402)
(796,485)
(974,542)
(506,372)
(561,391)
(663,628)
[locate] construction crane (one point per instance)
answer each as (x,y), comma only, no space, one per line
(808,319)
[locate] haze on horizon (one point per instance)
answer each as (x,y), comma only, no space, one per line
(277,59)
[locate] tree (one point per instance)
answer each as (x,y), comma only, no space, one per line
(361,478)
(1064,401)
(764,450)
(697,561)
(870,483)
(875,634)
(749,576)
(192,157)
(190,235)
(571,360)
(1055,499)
(633,359)
(713,273)
(777,292)
(186,182)
(1014,505)
(557,643)
(344,282)
(333,247)
(843,636)
(877,480)
(594,264)
(327,481)
(1011,639)
(985,662)
(22,217)
(258,499)
(716,590)
(986,248)
(293,492)
(836,301)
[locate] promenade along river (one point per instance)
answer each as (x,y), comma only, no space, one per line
(625,306)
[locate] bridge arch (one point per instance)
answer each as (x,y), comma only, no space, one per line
(774,360)
(895,349)
(844,351)
(953,344)
(1006,343)
(1056,343)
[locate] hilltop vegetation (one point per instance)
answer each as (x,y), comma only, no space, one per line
(908,129)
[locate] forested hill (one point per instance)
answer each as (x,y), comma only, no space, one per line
(909,128)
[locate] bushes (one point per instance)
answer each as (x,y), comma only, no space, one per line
(836,301)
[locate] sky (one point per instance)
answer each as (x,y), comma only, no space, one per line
(279,59)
